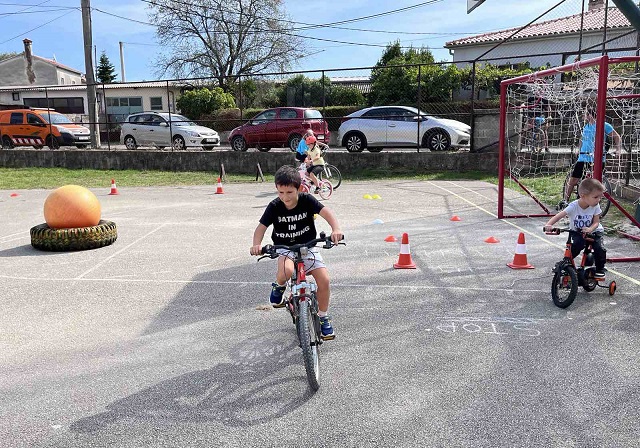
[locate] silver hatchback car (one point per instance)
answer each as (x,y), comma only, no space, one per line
(162,129)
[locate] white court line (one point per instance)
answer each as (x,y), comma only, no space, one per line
(118,253)
(23,233)
(619,274)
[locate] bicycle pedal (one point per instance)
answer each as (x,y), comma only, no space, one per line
(328,338)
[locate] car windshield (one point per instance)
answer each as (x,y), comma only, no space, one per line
(184,121)
(55,118)
(312,113)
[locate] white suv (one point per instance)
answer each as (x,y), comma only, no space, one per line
(161,129)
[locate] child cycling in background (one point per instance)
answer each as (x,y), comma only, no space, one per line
(291,215)
(301,151)
(584,215)
(315,161)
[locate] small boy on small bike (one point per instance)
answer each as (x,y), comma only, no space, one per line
(314,160)
(292,217)
(584,215)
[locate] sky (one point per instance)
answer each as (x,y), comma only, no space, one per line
(55,27)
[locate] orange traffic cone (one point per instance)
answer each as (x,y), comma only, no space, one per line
(391,239)
(219,188)
(520,258)
(492,240)
(404,259)
(455,218)
(114,189)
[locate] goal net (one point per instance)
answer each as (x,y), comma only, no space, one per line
(542,120)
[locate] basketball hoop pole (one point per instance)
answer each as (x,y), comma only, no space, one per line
(630,11)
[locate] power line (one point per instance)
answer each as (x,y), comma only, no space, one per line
(40,26)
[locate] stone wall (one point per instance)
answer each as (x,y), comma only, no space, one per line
(244,162)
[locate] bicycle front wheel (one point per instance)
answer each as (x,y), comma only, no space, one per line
(310,343)
(564,286)
(332,174)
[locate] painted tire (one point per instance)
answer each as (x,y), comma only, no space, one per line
(44,237)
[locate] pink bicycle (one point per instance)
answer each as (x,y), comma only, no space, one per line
(325,188)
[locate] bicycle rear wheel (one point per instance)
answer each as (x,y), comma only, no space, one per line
(564,286)
(310,343)
(326,189)
(605,203)
(332,174)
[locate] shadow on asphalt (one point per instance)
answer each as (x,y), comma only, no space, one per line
(253,389)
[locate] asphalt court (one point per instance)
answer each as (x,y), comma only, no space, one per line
(161,339)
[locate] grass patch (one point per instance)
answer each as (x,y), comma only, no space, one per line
(31,178)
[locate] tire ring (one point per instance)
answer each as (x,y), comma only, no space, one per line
(44,237)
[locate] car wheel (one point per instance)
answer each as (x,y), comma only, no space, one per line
(355,142)
(239,144)
(374,149)
(207,148)
(44,237)
(294,141)
(52,142)
(178,143)
(6,142)
(130,142)
(437,140)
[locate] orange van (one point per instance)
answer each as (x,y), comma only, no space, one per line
(38,127)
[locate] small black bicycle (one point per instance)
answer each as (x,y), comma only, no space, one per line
(567,277)
(302,303)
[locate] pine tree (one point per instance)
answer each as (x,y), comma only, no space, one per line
(106,70)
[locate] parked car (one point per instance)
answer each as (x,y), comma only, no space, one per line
(375,128)
(161,129)
(277,127)
(40,126)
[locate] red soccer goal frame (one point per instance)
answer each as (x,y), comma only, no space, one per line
(603,63)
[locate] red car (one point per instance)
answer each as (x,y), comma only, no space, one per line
(278,127)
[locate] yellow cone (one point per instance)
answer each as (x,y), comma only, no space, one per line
(367,196)
(376,196)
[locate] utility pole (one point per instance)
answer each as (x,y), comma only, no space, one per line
(89,74)
(122,78)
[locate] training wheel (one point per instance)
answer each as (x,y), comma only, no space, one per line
(612,288)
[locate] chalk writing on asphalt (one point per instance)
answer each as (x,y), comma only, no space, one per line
(499,326)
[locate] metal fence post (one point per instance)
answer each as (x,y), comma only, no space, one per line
(106,117)
(472,113)
(418,106)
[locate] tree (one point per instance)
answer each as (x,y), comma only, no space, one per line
(7,55)
(223,38)
(195,103)
(106,71)
(396,77)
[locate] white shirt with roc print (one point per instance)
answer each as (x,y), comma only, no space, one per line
(579,217)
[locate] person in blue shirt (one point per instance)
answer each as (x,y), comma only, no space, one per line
(301,152)
(587,150)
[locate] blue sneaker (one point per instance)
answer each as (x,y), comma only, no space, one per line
(326,329)
(277,295)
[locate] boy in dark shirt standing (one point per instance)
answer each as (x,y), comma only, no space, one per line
(291,215)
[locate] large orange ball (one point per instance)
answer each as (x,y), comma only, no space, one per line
(71,206)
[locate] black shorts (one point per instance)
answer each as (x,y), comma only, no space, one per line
(300,157)
(315,169)
(578,169)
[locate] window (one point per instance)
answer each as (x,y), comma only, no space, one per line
(33,119)
(376,114)
(16,118)
(16,96)
(62,105)
(287,114)
(156,103)
(312,113)
(61,80)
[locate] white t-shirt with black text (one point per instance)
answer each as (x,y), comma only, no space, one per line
(579,217)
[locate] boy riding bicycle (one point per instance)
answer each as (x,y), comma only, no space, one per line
(584,215)
(315,162)
(292,217)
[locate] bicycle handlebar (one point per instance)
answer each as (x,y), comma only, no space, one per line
(558,231)
(270,249)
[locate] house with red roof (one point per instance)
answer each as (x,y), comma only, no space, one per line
(552,42)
